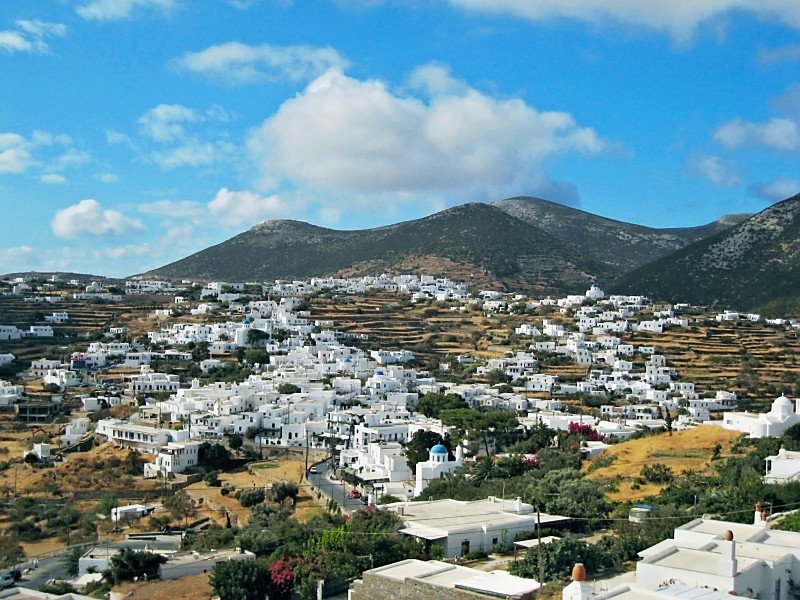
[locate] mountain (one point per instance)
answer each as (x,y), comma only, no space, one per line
(747,266)
(526,244)
(476,242)
(619,246)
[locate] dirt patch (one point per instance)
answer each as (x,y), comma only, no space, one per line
(195,587)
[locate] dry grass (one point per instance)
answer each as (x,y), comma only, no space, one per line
(690,449)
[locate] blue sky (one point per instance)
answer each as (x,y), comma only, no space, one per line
(135,132)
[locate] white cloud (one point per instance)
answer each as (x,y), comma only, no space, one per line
(434,80)
(237,63)
(776,190)
(117,10)
(345,135)
(14,258)
(115,137)
(106,177)
(53,179)
(15,154)
(71,159)
(165,122)
(720,172)
(167,125)
(242,208)
(678,18)
(192,153)
(778,133)
(87,218)
(29,36)
(243,4)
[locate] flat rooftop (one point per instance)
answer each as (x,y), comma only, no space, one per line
(698,561)
(455,515)
(493,583)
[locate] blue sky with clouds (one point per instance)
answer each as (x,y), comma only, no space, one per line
(135,132)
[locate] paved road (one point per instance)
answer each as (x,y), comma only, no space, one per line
(335,489)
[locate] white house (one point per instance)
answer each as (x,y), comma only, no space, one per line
(175,457)
(783,467)
(460,527)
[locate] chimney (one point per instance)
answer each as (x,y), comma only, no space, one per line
(727,566)
(578,589)
(759,516)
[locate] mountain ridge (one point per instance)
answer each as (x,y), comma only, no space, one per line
(539,253)
(744,267)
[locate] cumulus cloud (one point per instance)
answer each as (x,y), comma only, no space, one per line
(87,218)
(15,153)
(237,63)
(165,122)
(776,190)
(118,10)
(342,135)
(167,125)
(778,133)
(720,172)
(12,258)
(192,153)
(106,177)
(115,137)
(29,36)
(678,19)
(53,179)
(239,208)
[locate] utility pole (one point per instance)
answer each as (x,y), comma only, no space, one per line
(306,452)
(539,545)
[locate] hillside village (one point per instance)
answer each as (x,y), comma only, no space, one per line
(211,377)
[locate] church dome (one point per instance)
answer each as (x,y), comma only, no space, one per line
(781,402)
(438,449)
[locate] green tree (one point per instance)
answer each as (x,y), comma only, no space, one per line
(235,441)
(71,558)
(284,490)
(256,355)
(431,405)
(180,505)
(288,388)
(256,337)
(128,565)
(248,497)
(241,580)
(213,455)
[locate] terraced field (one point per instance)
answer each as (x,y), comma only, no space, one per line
(86,319)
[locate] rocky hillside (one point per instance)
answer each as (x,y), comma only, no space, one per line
(620,246)
(746,266)
(472,240)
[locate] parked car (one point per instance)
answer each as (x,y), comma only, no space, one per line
(355,494)
(313,470)
(6,580)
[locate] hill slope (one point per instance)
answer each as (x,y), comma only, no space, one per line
(620,246)
(476,239)
(744,267)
